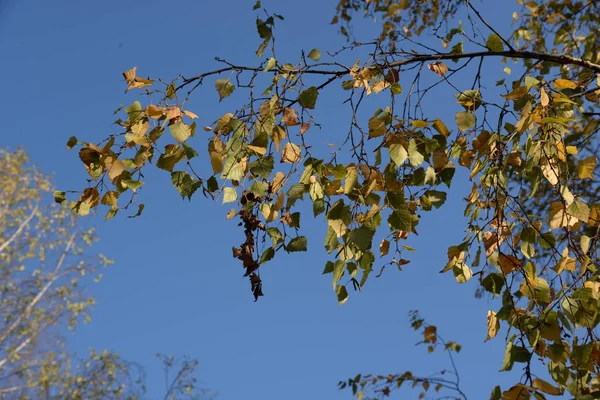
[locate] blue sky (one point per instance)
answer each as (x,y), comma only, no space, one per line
(175,288)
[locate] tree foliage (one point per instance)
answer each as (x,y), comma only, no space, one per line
(45,268)
(526,138)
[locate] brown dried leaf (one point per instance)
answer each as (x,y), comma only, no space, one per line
(438,67)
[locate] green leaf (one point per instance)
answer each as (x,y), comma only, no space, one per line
(259,188)
(494,283)
(184,183)
(342,294)
(297,244)
(436,197)
(331,240)
(338,272)
(465,120)
(270,64)
(256,5)
(72,142)
(362,237)
(138,213)
(415,157)
(224,87)
(190,152)
(314,55)
(275,235)
(60,197)
(229,195)
(262,167)
(171,91)
(296,192)
(579,210)
(134,110)
(308,98)
(494,43)
(398,154)
(496,393)
(396,88)
(267,255)
(132,184)
(328,268)
(377,127)
(180,131)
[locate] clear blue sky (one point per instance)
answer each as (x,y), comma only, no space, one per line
(175,288)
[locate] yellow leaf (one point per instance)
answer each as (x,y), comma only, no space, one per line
(114,167)
(546,387)
(517,93)
(291,153)
(110,198)
(190,114)
(550,172)
(561,152)
(268,211)
(491,242)
(278,182)
(232,213)
(558,217)
(508,263)
(564,84)
(216,151)
(585,169)
(439,126)
(417,123)
(493,325)
(544,99)
(351,178)
(154,112)
(278,136)
(517,392)
(260,150)
(572,150)
(384,247)
(133,81)
(279,202)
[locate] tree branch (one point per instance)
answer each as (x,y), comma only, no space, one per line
(560,59)
(16,234)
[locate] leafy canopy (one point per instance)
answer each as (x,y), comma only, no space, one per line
(526,139)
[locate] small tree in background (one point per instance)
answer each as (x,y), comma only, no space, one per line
(45,268)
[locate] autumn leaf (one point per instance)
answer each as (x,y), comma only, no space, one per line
(291,153)
(493,325)
(585,168)
(438,67)
(224,88)
(135,82)
(564,84)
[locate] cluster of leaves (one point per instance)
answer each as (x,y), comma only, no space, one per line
(528,145)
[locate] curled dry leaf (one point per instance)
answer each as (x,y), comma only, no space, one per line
(133,81)
(493,325)
(384,247)
(438,67)
(290,117)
